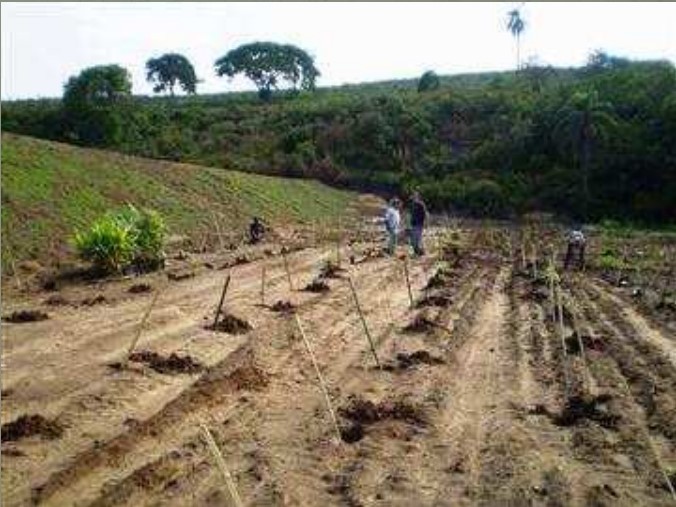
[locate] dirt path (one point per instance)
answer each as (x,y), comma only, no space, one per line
(470,407)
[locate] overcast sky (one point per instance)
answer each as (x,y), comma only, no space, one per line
(45,43)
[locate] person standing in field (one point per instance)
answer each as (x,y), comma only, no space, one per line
(418,219)
(576,247)
(392,220)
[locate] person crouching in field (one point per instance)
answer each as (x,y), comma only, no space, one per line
(392,220)
(418,218)
(576,246)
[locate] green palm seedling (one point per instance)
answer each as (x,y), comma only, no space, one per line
(109,244)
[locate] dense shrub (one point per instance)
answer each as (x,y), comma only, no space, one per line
(128,236)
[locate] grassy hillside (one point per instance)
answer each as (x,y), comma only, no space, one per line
(49,189)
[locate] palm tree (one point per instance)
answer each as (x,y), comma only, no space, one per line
(582,122)
(516,25)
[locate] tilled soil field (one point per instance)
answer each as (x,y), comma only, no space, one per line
(482,397)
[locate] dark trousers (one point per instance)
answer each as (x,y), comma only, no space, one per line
(573,250)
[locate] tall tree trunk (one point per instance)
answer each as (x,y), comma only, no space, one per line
(585,160)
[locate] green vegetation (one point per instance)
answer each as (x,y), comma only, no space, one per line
(170,70)
(121,238)
(51,189)
(593,143)
(267,64)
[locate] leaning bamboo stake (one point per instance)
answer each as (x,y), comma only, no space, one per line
(286,269)
(320,377)
(220,464)
(220,303)
(566,374)
(132,345)
(408,282)
(363,322)
(263,286)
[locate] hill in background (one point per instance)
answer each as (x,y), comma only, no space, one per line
(49,189)
(588,143)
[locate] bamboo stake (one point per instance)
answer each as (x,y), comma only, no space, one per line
(408,282)
(132,345)
(523,257)
(220,464)
(535,262)
(320,377)
(220,303)
(363,322)
(263,286)
(563,342)
(286,268)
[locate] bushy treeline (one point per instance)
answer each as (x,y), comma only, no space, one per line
(590,143)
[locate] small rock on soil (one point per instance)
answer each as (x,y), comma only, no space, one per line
(21,316)
(29,425)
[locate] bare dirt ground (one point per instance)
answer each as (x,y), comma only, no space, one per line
(482,398)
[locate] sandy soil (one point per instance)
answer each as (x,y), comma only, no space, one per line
(481,400)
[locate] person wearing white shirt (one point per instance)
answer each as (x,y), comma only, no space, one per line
(392,220)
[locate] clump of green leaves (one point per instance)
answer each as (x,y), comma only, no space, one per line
(118,239)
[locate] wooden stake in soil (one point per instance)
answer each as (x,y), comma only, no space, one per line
(363,322)
(320,378)
(220,303)
(523,257)
(132,345)
(286,268)
(408,282)
(566,375)
(220,464)
(263,286)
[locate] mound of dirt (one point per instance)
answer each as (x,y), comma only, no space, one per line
(94,300)
(283,307)
(249,377)
(231,324)
(588,342)
(176,276)
(361,412)
(438,279)
(317,285)
(421,323)
(406,361)
(241,259)
(29,425)
(580,408)
(139,288)
(330,270)
(21,316)
(56,300)
(438,300)
(171,364)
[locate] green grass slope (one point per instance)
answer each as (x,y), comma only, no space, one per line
(50,189)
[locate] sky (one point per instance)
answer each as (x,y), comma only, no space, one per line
(43,44)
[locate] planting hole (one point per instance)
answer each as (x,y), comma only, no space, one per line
(22,316)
